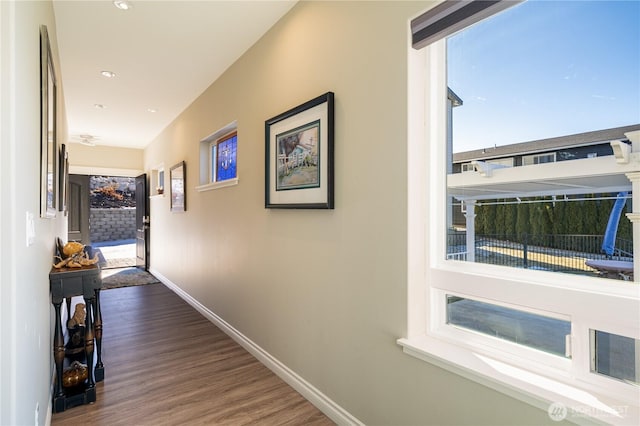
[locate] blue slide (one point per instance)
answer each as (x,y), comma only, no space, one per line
(609,242)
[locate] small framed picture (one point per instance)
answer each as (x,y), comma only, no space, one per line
(299,156)
(177,175)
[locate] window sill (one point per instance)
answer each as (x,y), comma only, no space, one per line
(217,185)
(552,395)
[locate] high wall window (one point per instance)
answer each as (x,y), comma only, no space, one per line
(492,307)
(223,154)
(157,180)
(219,159)
(160,183)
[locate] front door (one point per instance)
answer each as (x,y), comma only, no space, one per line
(78,229)
(142,222)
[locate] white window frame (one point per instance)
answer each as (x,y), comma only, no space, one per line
(467,167)
(213,155)
(470,166)
(588,302)
(207,169)
(157,181)
(528,160)
(213,160)
(507,162)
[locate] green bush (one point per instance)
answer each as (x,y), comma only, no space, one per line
(559,217)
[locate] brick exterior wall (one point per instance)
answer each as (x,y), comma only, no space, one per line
(112,224)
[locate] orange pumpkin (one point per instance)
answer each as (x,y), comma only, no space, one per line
(71,248)
(74,375)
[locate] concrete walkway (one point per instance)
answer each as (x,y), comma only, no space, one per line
(117,254)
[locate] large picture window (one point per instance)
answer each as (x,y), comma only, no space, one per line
(511,281)
(543,95)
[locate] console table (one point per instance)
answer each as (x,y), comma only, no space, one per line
(65,284)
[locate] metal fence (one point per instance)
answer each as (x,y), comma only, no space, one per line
(559,253)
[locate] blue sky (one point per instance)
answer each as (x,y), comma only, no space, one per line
(544,69)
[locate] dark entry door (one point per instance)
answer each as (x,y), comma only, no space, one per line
(79,209)
(142,222)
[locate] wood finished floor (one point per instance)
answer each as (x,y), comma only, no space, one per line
(165,364)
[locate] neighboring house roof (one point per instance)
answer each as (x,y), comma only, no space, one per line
(543,145)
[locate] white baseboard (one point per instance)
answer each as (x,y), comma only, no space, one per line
(306,389)
(47,420)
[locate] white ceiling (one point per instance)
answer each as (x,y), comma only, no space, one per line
(164,54)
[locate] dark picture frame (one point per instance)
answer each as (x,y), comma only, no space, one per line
(299,156)
(177,186)
(48,137)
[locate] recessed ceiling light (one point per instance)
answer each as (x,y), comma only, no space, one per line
(152,110)
(122,4)
(99,106)
(108,74)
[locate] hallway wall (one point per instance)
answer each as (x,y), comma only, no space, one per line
(322,291)
(26,364)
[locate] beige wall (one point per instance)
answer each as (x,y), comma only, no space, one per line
(25,309)
(104,160)
(323,291)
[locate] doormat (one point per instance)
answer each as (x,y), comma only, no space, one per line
(119,263)
(126,277)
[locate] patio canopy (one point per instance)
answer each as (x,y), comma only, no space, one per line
(584,176)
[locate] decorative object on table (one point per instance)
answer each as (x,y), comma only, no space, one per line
(78,317)
(48,139)
(299,156)
(74,375)
(75,327)
(73,255)
(177,179)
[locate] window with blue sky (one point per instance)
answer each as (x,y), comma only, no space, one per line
(536,71)
(545,69)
